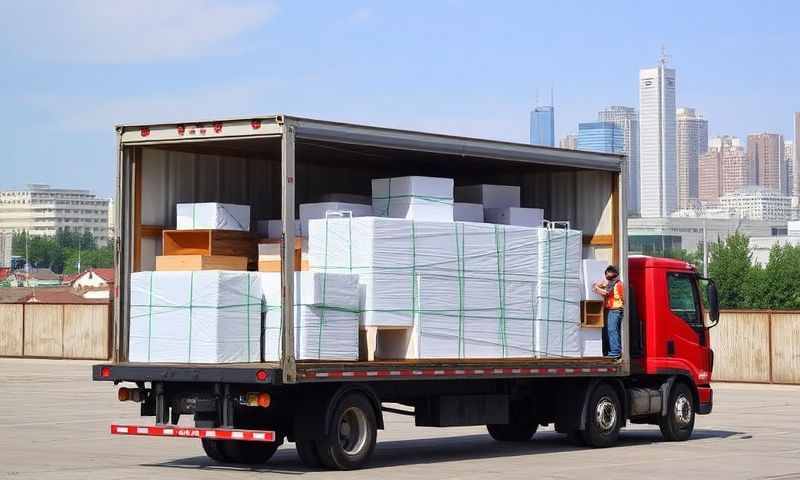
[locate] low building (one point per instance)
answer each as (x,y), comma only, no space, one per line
(760,204)
(35,277)
(92,278)
(761,246)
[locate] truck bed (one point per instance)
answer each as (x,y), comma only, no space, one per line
(314,371)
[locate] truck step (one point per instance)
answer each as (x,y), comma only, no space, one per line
(190,432)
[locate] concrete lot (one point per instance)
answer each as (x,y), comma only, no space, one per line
(54,424)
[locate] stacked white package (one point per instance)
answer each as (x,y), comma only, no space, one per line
(591,342)
(272,229)
(523,217)
(346,198)
(413,198)
(486,307)
(558,301)
(195,317)
(213,216)
(325,316)
(490,196)
(311,211)
(468,212)
(591,271)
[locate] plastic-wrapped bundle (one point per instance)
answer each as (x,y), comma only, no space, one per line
(213,216)
(417,198)
(195,317)
(326,315)
(558,301)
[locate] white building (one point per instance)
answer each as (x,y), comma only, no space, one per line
(42,210)
(6,240)
(789,165)
(657,141)
(759,204)
(692,141)
(627,119)
(569,142)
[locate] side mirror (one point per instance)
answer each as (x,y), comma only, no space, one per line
(713,303)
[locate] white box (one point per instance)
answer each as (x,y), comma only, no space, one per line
(592,271)
(468,212)
(523,217)
(272,229)
(591,342)
(346,198)
(213,216)
(325,316)
(195,317)
(490,196)
(413,198)
(310,211)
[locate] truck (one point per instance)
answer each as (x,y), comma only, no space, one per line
(331,411)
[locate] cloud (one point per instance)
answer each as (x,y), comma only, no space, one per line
(361,15)
(102,31)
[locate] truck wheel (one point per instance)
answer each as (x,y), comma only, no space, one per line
(214,451)
(308,453)
(678,424)
(512,432)
(575,437)
(351,434)
(248,453)
(604,418)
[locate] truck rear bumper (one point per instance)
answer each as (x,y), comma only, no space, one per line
(189,432)
(705,396)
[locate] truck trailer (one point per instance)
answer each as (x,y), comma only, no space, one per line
(242,412)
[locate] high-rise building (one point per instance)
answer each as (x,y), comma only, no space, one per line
(657,156)
(692,141)
(796,163)
(709,182)
(42,210)
(735,170)
(765,156)
(788,157)
(604,137)
(627,118)
(723,169)
(543,126)
(569,142)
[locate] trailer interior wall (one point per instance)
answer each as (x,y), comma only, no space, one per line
(248,171)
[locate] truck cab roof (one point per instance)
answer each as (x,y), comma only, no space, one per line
(644,261)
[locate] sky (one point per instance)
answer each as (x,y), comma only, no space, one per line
(70,71)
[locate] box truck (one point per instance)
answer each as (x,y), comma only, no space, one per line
(242,412)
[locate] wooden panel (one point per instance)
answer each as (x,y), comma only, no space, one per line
(275,265)
(786,348)
(741,347)
(604,240)
(592,314)
(137,210)
(86,331)
(152,230)
(269,255)
(210,242)
(44,328)
(178,263)
(11,330)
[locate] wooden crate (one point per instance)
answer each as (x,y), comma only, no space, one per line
(210,243)
(592,314)
(270,255)
(184,263)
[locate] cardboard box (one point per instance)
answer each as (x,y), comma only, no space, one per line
(189,263)
(468,212)
(490,196)
(522,217)
(213,216)
(413,198)
(310,211)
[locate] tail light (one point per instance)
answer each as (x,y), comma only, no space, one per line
(131,394)
(258,399)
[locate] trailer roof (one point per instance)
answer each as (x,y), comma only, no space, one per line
(348,133)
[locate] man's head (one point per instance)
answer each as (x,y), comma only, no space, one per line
(611,272)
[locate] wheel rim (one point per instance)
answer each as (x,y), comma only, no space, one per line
(353,431)
(682,411)
(606,414)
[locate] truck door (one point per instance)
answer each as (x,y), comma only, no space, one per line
(686,335)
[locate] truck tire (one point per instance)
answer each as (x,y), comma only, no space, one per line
(351,434)
(308,453)
(678,424)
(575,437)
(214,451)
(604,417)
(512,432)
(248,453)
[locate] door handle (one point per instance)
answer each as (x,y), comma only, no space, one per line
(670,347)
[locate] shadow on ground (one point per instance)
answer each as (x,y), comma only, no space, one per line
(441,449)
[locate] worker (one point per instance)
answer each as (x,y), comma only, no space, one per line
(610,288)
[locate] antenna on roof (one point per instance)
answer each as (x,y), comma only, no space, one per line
(552,104)
(664,56)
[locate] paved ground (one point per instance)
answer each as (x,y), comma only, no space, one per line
(54,424)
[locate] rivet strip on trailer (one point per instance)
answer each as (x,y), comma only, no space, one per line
(459,372)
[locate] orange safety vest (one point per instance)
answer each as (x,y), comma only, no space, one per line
(615,299)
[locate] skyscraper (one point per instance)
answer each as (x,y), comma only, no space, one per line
(765,157)
(627,119)
(796,163)
(604,137)
(543,126)
(657,156)
(569,142)
(788,156)
(723,169)
(692,141)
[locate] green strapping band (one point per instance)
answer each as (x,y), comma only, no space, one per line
(564,291)
(461,285)
(247,318)
(150,316)
(191,296)
(547,296)
(413,271)
(324,287)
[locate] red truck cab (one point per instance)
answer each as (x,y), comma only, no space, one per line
(672,309)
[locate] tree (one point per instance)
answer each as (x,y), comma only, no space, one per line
(730,265)
(782,278)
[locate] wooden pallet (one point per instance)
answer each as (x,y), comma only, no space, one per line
(210,242)
(592,314)
(270,255)
(183,263)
